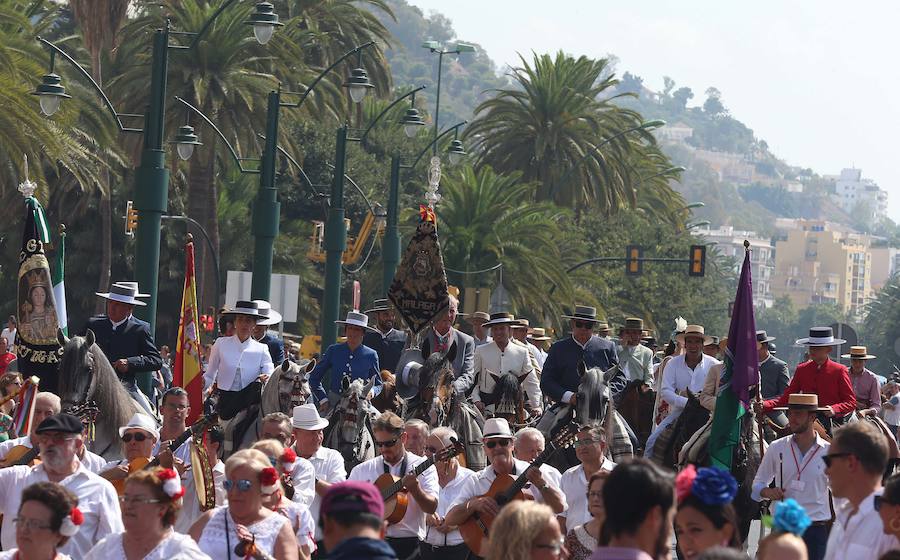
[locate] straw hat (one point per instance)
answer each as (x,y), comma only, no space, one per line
(858,353)
(693,330)
(539,334)
(802,401)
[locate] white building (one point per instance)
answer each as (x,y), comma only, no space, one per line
(852,190)
(730,242)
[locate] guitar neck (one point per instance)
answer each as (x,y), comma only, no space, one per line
(29,456)
(176,443)
(522,480)
(397,486)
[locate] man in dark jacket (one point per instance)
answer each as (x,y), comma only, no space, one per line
(774,376)
(124,339)
(352,522)
(261,331)
(559,378)
(387,341)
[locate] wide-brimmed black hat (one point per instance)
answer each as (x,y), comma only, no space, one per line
(584,313)
(763,338)
(821,336)
(379,305)
(501,318)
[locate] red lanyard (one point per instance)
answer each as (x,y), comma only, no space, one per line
(808,461)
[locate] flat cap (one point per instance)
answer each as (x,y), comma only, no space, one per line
(62,422)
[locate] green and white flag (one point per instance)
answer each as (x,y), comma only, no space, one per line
(59,287)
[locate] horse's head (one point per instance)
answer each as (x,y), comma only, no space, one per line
(352,408)
(594,396)
(293,384)
(77,368)
(436,382)
(508,397)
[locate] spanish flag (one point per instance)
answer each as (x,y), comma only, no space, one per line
(188,372)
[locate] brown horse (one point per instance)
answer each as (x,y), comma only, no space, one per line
(636,406)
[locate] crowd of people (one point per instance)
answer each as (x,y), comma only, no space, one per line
(186,491)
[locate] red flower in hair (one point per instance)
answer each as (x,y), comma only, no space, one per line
(76,516)
(268,476)
(684,482)
(171,483)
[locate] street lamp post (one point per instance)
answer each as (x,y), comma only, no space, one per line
(436,47)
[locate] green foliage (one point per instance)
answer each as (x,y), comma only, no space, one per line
(882,328)
(787,324)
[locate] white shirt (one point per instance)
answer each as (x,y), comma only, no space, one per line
(229,354)
(190,506)
(304,478)
(174,547)
(97,500)
(480,483)
(11,555)
(678,376)
(329,467)
(809,487)
(513,359)
(446,499)
(413,523)
(892,415)
(10,336)
(5,446)
(183,452)
(574,486)
(857,536)
(93,462)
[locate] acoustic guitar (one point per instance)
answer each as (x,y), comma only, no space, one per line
(141,463)
(396,498)
(505,489)
(24,455)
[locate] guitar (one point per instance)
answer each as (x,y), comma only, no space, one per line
(23,455)
(504,489)
(396,498)
(140,463)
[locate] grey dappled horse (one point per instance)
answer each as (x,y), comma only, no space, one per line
(287,387)
(349,429)
(594,405)
(85,375)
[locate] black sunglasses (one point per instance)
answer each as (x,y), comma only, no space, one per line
(831,456)
(584,325)
(139,436)
(490,444)
(389,443)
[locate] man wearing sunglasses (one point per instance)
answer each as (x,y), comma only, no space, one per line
(794,464)
(498,443)
(60,439)
(559,378)
(390,442)
(590,449)
(855,463)
(138,437)
(443,541)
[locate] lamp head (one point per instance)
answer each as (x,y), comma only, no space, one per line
(50,93)
(456,151)
(264,21)
(358,84)
(464,48)
(433,45)
(653,124)
(185,141)
(412,122)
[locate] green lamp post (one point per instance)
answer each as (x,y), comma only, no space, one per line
(152,175)
(436,48)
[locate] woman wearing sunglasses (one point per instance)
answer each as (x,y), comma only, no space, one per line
(582,539)
(525,529)
(44,522)
(150,505)
(246,521)
(285,461)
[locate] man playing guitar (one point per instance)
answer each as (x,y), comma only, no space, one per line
(390,441)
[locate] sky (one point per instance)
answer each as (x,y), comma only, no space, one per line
(816,79)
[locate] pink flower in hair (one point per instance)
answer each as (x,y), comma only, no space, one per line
(684,482)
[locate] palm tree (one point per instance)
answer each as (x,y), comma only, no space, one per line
(100,21)
(559,126)
(486,218)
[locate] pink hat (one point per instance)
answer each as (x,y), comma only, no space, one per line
(353,496)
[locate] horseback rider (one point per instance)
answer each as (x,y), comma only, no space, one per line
(352,358)
(238,364)
(820,375)
(441,337)
(559,378)
(635,358)
(773,374)
(682,375)
(126,340)
(520,331)
(502,356)
(269,317)
(387,341)
(865,384)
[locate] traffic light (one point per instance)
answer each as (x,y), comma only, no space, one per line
(634,266)
(131,219)
(698,260)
